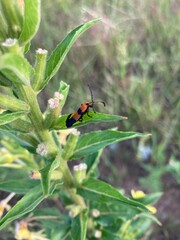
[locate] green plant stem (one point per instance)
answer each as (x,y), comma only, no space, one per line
(69,183)
(36,117)
(76,198)
(41,56)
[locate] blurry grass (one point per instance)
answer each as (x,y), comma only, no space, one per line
(131,61)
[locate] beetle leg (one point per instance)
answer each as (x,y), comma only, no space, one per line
(93,109)
(81,119)
(89,115)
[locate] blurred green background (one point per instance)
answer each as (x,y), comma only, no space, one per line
(132,62)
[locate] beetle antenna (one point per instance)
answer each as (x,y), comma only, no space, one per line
(91,94)
(92,99)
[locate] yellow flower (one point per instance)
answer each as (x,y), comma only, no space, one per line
(141,194)
(152,209)
(137,194)
(23,233)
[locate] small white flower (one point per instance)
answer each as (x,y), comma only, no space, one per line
(95,213)
(98,234)
(58,95)
(75,132)
(53,103)
(41,51)
(9,42)
(80,167)
(42,149)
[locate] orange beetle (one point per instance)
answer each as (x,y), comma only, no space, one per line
(84,108)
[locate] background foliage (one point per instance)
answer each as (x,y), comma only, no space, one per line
(131,60)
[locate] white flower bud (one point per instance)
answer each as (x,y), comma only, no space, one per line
(53,103)
(98,234)
(42,149)
(95,213)
(75,132)
(9,42)
(80,167)
(58,95)
(41,51)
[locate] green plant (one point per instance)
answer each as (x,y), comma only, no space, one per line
(135,59)
(30,142)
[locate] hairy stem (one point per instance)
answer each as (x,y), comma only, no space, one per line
(69,183)
(36,117)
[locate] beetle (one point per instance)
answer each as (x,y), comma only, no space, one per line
(83,109)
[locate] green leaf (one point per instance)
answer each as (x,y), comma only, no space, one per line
(106,235)
(12,18)
(57,228)
(92,162)
(22,126)
(24,206)
(79,226)
(31,21)
(7,117)
(21,139)
(63,89)
(46,173)
(60,123)
(151,217)
(58,55)
(94,141)
(16,68)
(4,81)
(95,190)
(112,208)
(27,47)
(13,104)
(19,186)
(150,198)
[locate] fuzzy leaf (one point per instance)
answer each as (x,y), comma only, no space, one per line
(58,55)
(63,89)
(16,68)
(92,162)
(7,117)
(13,104)
(151,217)
(24,206)
(79,226)
(60,123)
(21,139)
(150,198)
(46,173)
(94,141)
(19,186)
(95,190)
(31,21)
